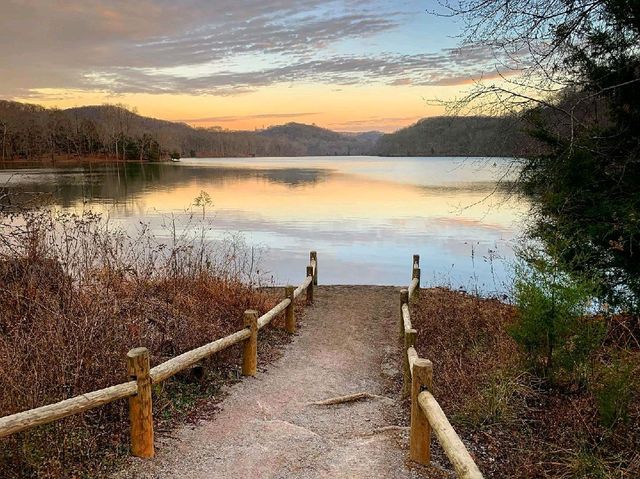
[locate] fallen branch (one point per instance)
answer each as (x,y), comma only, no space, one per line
(348,398)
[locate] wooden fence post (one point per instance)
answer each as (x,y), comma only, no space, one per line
(140,406)
(409,342)
(420,433)
(314,256)
(250,348)
(404,298)
(416,275)
(290,317)
(310,287)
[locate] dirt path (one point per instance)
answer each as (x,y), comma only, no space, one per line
(268,429)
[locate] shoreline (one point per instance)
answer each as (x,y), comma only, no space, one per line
(79,161)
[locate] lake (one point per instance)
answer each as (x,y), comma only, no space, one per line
(365,216)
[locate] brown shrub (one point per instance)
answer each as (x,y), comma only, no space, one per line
(513,424)
(465,338)
(73,301)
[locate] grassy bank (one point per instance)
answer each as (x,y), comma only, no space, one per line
(76,293)
(515,424)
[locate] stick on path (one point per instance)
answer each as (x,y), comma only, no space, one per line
(268,426)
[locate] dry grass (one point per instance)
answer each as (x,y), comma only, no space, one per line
(513,424)
(467,336)
(75,296)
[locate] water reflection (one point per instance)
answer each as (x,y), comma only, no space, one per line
(365,216)
(119,183)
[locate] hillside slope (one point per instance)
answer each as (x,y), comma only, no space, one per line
(313,140)
(458,136)
(32,132)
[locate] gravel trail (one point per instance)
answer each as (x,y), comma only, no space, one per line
(268,429)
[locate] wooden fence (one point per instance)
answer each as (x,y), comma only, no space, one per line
(426,414)
(138,389)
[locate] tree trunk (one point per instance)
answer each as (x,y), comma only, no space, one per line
(4,141)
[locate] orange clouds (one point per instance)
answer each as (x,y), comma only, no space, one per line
(351,108)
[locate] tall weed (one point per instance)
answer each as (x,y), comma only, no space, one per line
(76,293)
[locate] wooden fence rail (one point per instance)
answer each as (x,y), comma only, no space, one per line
(141,376)
(426,414)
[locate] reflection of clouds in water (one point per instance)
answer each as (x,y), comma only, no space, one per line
(457,188)
(361,230)
(472,224)
(120,184)
(365,217)
(338,268)
(382,252)
(388,264)
(429,173)
(294,177)
(351,253)
(463,248)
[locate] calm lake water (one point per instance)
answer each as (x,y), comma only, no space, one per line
(365,216)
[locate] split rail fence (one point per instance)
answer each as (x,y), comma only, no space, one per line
(142,376)
(426,413)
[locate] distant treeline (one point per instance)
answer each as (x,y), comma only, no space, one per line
(460,136)
(313,140)
(31,132)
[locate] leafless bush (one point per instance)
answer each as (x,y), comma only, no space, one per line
(76,293)
(513,424)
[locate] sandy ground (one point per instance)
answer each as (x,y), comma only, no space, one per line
(268,429)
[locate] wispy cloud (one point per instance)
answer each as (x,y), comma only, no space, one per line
(227,47)
(449,67)
(380,123)
(224,119)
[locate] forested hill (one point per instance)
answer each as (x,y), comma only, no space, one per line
(313,140)
(31,132)
(458,136)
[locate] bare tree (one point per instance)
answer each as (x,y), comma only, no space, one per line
(538,46)
(4,140)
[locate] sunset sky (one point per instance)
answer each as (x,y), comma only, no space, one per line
(347,65)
